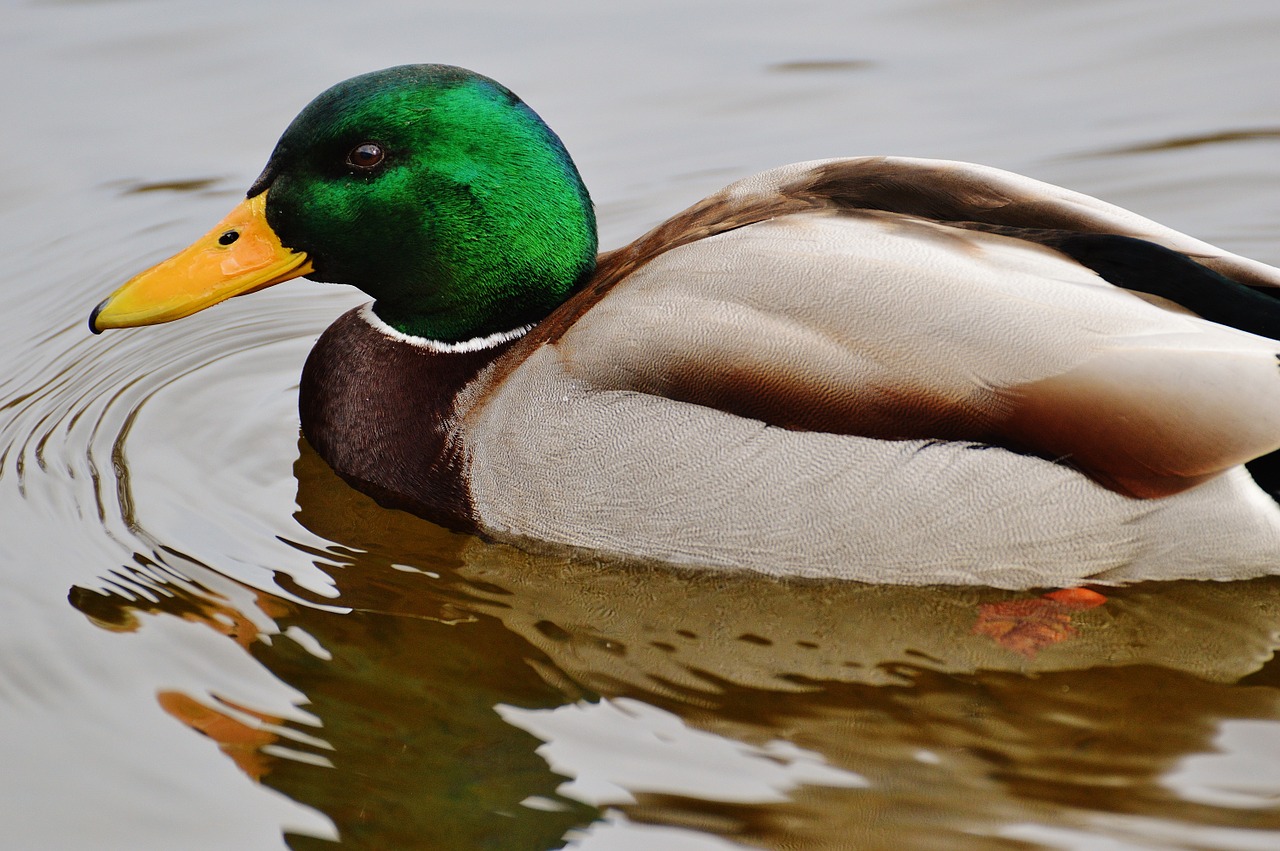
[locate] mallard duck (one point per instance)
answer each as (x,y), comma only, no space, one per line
(879,368)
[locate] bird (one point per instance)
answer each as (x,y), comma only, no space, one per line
(881,369)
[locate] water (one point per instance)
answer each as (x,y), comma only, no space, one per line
(210,642)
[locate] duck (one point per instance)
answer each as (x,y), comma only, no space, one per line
(879,369)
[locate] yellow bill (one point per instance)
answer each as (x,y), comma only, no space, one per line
(240,255)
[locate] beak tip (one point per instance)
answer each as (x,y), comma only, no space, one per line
(93,317)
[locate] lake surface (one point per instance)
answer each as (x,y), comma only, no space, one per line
(209,642)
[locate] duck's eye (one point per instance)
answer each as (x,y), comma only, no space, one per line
(366,157)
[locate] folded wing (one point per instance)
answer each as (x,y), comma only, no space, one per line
(907,299)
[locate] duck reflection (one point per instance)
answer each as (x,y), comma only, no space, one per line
(472,695)
(408,751)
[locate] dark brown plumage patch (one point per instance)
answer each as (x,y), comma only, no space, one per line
(1089,428)
(877,184)
(382,414)
(787,400)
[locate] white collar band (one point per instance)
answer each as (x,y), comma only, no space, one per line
(475,344)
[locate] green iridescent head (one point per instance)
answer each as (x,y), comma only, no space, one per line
(433,189)
(438,192)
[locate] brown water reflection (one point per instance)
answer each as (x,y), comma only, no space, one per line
(406,751)
(878,714)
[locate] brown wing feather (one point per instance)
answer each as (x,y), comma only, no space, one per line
(1150,423)
(962,192)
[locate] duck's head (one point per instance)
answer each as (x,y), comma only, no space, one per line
(433,189)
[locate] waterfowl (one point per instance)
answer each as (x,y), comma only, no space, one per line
(880,368)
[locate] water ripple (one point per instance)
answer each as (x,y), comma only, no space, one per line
(1195,140)
(71,408)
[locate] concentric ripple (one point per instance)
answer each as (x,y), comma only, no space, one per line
(206,404)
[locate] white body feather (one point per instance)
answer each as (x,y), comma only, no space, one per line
(864,305)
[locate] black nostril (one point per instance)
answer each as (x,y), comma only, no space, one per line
(229,237)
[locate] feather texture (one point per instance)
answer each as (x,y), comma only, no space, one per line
(821,385)
(877,369)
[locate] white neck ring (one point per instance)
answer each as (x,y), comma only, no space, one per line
(475,344)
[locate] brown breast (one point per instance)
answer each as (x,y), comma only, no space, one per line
(381,413)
